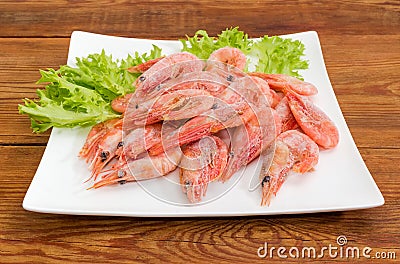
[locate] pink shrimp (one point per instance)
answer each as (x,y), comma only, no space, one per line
(175,105)
(313,121)
(141,68)
(293,150)
(265,90)
(208,81)
(250,90)
(120,103)
(209,154)
(95,136)
(232,108)
(286,83)
(139,140)
(287,119)
(146,168)
(250,139)
(230,56)
(167,68)
(107,151)
(276,97)
(212,121)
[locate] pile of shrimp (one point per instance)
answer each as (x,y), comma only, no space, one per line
(209,119)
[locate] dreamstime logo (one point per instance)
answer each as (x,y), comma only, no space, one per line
(341,240)
(341,250)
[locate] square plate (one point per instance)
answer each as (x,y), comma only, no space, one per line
(340,181)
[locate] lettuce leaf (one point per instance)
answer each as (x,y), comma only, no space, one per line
(109,78)
(203,45)
(278,55)
(81,96)
(65,104)
(272,54)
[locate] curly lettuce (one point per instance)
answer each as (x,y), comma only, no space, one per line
(268,54)
(279,55)
(81,96)
(203,45)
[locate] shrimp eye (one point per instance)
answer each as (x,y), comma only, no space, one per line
(104,155)
(121,173)
(122,182)
(231,154)
(265,180)
(142,78)
(120,144)
(159,87)
(187,184)
(137,106)
(229,78)
(214,106)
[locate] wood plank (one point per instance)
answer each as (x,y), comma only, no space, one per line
(150,19)
(45,237)
(19,70)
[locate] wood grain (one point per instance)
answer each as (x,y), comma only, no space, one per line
(361,46)
(44,237)
(20,62)
(150,19)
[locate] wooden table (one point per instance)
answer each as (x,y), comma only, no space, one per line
(361,45)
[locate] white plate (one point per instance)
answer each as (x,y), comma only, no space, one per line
(340,181)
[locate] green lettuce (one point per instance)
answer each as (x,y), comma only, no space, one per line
(203,45)
(278,55)
(65,104)
(272,54)
(81,96)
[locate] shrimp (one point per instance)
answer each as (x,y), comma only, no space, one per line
(313,121)
(250,139)
(231,56)
(293,150)
(209,154)
(181,104)
(286,83)
(120,103)
(208,81)
(276,98)
(250,90)
(95,136)
(107,150)
(167,68)
(139,140)
(162,69)
(288,122)
(225,71)
(202,125)
(264,89)
(146,168)
(141,68)
(233,108)
(225,135)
